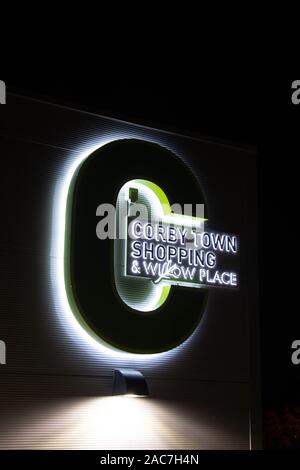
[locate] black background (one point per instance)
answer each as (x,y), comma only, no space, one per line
(242,110)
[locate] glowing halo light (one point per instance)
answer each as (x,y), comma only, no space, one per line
(63,310)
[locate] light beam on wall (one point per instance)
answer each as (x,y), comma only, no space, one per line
(118,422)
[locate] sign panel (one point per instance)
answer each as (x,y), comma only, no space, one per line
(141,282)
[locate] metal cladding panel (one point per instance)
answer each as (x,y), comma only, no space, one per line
(60,412)
(56,379)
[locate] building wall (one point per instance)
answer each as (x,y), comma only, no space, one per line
(56,386)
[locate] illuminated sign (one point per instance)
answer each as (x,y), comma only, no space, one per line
(130,255)
(160,248)
(160,252)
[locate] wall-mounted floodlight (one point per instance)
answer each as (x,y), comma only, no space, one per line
(130,382)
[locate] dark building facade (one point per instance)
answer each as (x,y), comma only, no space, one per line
(56,382)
